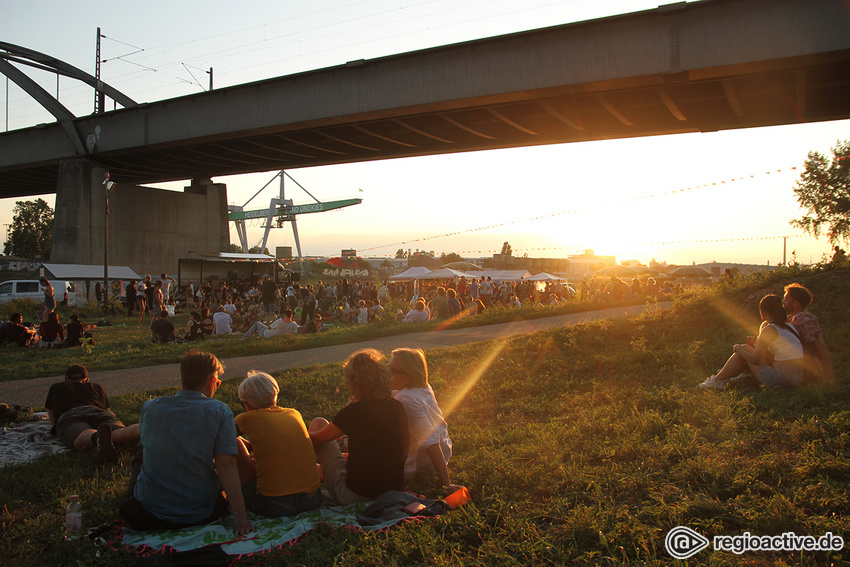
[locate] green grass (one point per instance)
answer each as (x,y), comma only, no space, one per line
(580,445)
(125,343)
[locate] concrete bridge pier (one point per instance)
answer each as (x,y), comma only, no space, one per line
(149,229)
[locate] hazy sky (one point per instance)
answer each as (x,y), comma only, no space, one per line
(659,197)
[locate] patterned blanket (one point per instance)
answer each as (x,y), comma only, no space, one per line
(275,532)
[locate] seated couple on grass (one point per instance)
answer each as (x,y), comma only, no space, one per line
(776,359)
(790,322)
(390,434)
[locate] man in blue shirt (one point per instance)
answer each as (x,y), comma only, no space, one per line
(186,456)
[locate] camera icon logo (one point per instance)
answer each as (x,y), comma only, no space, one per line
(683,542)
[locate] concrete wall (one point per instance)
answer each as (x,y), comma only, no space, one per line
(149,229)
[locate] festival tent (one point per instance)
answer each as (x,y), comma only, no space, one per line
(442,274)
(86,276)
(544,277)
(413,273)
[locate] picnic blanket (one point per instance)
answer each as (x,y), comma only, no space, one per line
(20,443)
(272,533)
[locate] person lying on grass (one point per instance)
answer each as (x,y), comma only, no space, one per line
(79,412)
(430,445)
(419,314)
(777,358)
(281,326)
(187,455)
(280,477)
(376,426)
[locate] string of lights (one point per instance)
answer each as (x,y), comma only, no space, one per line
(579,249)
(606,205)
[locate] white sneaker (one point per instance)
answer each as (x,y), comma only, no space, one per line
(712,383)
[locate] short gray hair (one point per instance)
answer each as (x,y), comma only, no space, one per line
(258,389)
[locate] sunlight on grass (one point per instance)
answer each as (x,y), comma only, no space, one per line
(474,376)
(748,322)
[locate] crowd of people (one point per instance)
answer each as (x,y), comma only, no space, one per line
(50,333)
(265,459)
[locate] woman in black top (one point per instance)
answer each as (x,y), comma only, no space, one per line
(378,438)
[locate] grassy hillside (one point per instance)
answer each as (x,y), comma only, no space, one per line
(125,342)
(582,445)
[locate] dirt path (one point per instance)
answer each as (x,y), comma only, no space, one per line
(33,392)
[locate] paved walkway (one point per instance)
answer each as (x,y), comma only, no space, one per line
(34,391)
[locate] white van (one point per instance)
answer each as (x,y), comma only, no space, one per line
(31,289)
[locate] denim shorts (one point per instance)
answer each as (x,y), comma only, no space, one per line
(781,375)
(277,506)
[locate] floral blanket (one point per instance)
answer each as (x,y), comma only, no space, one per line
(270,532)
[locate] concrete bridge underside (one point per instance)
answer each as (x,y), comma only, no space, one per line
(706,66)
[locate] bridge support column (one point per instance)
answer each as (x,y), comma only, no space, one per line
(149,229)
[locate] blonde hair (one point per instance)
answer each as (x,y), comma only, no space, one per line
(367,376)
(258,389)
(412,362)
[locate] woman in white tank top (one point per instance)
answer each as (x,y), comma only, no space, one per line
(777,358)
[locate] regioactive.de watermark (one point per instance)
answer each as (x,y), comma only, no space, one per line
(683,542)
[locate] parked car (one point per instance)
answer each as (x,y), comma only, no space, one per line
(31,289)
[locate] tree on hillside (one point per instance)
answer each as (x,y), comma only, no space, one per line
(824,191)
(235,248)
(400,253)
(31,234)
(506,249)
(423,258)
(450,257)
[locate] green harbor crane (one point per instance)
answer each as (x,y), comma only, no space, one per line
(281,210)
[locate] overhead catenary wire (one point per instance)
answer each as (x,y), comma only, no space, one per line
(274,41)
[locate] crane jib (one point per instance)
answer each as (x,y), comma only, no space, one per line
(294,209)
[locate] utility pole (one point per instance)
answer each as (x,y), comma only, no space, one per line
(98,96)
(211,79)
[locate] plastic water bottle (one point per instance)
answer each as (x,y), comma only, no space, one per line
(74,519)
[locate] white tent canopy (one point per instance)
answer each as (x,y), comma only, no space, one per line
(442,274)
(85,272)
(413,273)
(544,277)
